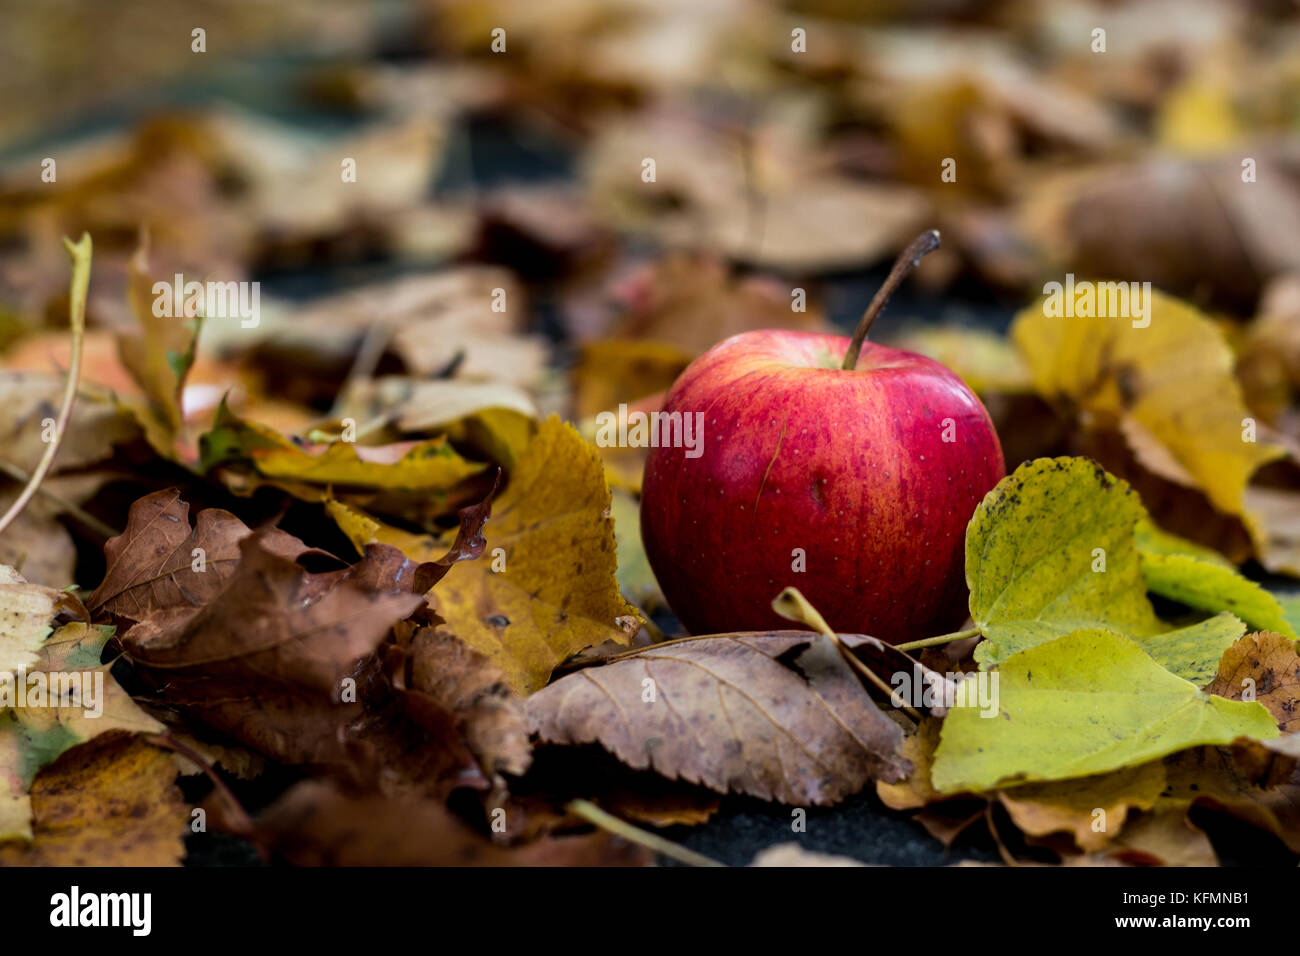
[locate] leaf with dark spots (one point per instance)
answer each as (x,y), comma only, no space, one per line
(730,713)
(1266,665)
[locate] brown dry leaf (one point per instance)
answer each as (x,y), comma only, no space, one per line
(1187,225)
(36,543)
(1228,780)
(693,302)
(670,807)
(272,621)
(738,196)
(944,817)
(158,356)
(315,824)
(1273,519)
(777,715)
(1163,837)
(1071,807)
(914,790)
(440,324)
(162,562)
(31,402)
(1266,665)
(282,661)
(948,820)
(110,802)
(1268,359)
(545,587)
(1247,780)
(461,681)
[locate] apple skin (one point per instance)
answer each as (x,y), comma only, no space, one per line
(850,466)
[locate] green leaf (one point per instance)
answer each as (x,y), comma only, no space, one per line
(1290,604)
(1193,653)
(1089,702)
(1153,540)
(1035,553)
(1212,587)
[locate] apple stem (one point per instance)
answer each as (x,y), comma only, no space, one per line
(935,641)
(922,245)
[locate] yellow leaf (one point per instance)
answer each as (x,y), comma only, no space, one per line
(1198,116)
(431,465)
(112,802)
(1173,378)
(544,588)
(1072,806)
(362,530)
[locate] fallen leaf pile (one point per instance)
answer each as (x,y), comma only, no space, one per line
(357,559)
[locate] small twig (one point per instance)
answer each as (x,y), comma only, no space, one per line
(65,504)
(621,828)
(923,244)
(363,366)
(77,314)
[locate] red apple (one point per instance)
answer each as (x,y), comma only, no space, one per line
(871,474)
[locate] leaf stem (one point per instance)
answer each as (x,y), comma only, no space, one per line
(935,641)
(921,246)
(621,828)
(80,254)
(793,606)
